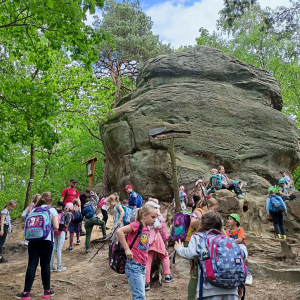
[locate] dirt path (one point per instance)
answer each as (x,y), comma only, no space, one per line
(84,279)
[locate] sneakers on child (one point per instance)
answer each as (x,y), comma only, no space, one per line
(241,196)
(284,237)
(3,260)
(78,242)
(104,238)
(107,228)
(169,279)
(48,294)
(69,249)
(23,296)
(87,251)
(278,236)
(53,269)
(61,269)
(147,287)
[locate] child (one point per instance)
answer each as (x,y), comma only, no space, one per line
(134,199)
(202,207)
(283,192)
(75,224)
(183,199)
(287,179)
(41,250)
(275,207)
(59,239)
(198,192)
(209,220)
(230,186)
(118,214)
(214,182)
(68,214)
(157,247)
(5,225)
(137,256)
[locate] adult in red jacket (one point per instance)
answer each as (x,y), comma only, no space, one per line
(70,193)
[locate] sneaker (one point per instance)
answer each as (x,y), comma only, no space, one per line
(241,196)
(169,279)
(53,269)
(3,260)
(82,233)
(23,296)
(107,228)
(61,269)
(69,249)
(48,294)
(278,236)
(78,242)
(66,238)
(284,237)
(147,286)
(104,238)
(87,251)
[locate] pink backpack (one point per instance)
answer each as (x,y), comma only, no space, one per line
(100,204)
(61,221)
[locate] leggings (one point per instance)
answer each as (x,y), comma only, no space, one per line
(57,247)
(105,215)
(165,263)
(89,224)
(40,251)
(72,237)
(3,238)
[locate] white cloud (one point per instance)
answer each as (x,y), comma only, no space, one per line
(179,24)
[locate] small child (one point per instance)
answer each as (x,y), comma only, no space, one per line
(283,192)
(5,225)
(137,256)
(75,224)
(183,199)
(275,207)
(59,239)
(209,220)
(214,183)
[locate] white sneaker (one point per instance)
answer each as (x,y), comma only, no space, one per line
(53,269)
(61,269)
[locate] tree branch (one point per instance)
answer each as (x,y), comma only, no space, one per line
(100,152)
(91,133)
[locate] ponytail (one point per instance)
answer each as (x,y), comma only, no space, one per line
(45,199)
(147,209)
(11,203)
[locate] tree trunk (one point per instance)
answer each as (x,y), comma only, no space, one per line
(32,165)
(47,165)
(105,185)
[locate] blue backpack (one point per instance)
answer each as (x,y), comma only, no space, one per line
(275,204)
(127,213)
(139,201)
(221,262)
(77,217)
(88,212)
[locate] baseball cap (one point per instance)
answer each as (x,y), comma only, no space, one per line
(281,180)
(59,203)
(127,187)
(69,205)
(271,189)
(235,216)
(73,180)
(282,171)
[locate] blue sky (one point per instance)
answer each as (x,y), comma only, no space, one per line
(178,21)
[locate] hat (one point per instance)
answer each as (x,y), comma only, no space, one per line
(69,205)
(153,204)
(73,180)
(198,181)
(127,187)
(59,203)
(282,171)
(235,216)
(271,189)
(281,180)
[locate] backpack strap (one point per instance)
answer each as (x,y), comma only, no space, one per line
(66,194)
(138,233)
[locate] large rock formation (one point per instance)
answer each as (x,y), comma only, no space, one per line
(232,109)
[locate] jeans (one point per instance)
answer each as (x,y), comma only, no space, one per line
(235,187)
(290,198)
(136,274)
(38,251)
(89,224)
(105,215)
(3,238)
(277,218)
(57,247)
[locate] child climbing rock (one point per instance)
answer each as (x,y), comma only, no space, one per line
(276,207)
(214,182)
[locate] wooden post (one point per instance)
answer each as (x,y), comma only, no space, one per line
(174,175)
(90,170)
(91,178)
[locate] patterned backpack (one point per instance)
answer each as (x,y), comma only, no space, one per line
(117,256)
(61,223)
(38,224)
(275,203)
(220,261)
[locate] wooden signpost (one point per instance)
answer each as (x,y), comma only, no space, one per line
(163,134)
(90,170)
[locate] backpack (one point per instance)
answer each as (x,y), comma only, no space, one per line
(100,204)
(117,256)
(139,201)
(88,212)
(61,223)
(127,213)
(38,224)
(77,217)
(275,203)
(219,182)
(221,262)
(130,217)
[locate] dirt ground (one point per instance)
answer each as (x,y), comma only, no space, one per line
(85,279)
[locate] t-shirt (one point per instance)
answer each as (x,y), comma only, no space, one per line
(72,194)
(238,233)
(7,220)
(116,214)
(223,179)
(287,180)
(53,213)
(283,190)
(141,245)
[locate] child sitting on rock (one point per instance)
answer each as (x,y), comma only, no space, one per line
(283,192)
(275,207)
(214,183)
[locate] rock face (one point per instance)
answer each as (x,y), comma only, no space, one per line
(232,109)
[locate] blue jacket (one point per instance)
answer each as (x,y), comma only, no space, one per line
(132,199)
(269,205)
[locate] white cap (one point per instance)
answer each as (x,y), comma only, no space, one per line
(198,181)
(152,203)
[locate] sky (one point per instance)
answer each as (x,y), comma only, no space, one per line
(178,21)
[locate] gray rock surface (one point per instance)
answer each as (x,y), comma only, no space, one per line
(232,109)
